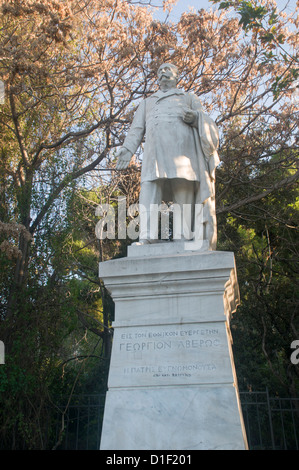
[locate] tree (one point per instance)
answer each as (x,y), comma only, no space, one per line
(264,238)
(56,90)
(74,73)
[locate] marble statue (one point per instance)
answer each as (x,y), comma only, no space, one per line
(179,159)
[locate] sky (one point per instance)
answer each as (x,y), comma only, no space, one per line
(183,5)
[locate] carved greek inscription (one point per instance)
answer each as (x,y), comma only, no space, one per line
(174,371)
(174,353)
(153,345)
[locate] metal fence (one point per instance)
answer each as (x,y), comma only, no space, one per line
(79,422)
(271,423)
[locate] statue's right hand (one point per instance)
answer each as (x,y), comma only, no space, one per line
(124,158)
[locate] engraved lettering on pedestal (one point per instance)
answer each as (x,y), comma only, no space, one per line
(180,353)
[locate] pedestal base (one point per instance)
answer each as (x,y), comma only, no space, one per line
(172,383)
(173,418)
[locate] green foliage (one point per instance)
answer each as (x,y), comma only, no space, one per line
(252,14)
(263,236)
(55,343)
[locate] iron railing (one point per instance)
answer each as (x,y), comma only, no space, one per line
(79,422)
(271,423)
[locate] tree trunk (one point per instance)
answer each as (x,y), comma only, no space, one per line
(21,268)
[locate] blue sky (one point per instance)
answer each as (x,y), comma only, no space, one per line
(183,5)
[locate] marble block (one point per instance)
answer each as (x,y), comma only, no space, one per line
(172,382)
(165,247)
(166,418)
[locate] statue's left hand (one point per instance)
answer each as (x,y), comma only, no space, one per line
(190,116)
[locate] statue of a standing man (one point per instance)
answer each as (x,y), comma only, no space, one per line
(180,155)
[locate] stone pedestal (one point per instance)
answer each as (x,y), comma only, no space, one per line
(172,383)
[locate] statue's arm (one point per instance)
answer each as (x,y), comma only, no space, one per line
(133,138)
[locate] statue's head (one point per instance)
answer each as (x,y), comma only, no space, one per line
(168,73)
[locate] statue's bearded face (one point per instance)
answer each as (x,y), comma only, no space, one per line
(168,73)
